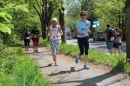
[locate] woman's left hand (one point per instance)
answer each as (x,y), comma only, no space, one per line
(58,36)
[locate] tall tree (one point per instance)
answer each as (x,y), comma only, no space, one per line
(44,9)
(127,28)
(62,21)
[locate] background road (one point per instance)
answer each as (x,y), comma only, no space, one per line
(99,45)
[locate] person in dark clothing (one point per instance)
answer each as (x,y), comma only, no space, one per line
(35,38)
(110,39)
(26,37)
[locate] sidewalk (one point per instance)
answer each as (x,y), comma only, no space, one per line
(70,74)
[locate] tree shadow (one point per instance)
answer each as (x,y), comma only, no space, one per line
(94,80)
(91,81)
(72,69)
(49,65)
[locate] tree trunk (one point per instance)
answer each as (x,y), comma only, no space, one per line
(128,28)
(62,23)
(43,19)
(43,26)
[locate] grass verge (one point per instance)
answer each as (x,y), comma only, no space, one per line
(118,62)
(17,69)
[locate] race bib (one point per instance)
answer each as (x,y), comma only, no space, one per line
(54,37)
(112,39)
(35,36)
(27,37)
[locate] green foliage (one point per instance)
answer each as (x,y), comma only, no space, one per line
(17,69)
(72,14)
(22,7)
(68,49)
(45,43)
(5,13)
(4,28)
(15,18)
(109,12)
(71,22)
(73,9)
(6,16)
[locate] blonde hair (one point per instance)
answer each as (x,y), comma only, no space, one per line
(55,19)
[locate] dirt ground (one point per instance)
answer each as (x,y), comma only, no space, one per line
(68,73)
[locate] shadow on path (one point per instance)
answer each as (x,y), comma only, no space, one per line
(94,81)
(91,81)
(72,69)
(49,65)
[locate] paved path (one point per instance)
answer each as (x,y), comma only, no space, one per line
(70,74)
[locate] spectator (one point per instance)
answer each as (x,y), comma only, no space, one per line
(117,43)
(109,38)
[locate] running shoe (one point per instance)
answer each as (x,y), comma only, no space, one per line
(86,66)
(36,51)
(56,64)
(76,59)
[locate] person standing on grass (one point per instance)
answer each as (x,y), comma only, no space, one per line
(82,30)
(117,43)
(54,34)
(109,38)
(35,38)
(26,37)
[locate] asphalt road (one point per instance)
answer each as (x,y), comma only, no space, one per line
(99,45)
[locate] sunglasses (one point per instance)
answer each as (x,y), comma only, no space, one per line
(83,14)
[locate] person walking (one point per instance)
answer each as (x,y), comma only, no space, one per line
(26,37)
(35,38)
(109,38)
(82,30)
(117,43)
(54,34)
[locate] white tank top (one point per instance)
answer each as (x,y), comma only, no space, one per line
(118,40)
(54,32)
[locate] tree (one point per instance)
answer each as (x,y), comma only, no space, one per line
(44,9)
(127,10)
(62,21)
(72,14)
(6,15)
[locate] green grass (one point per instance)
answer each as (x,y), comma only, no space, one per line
(17,69)
(118,62)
